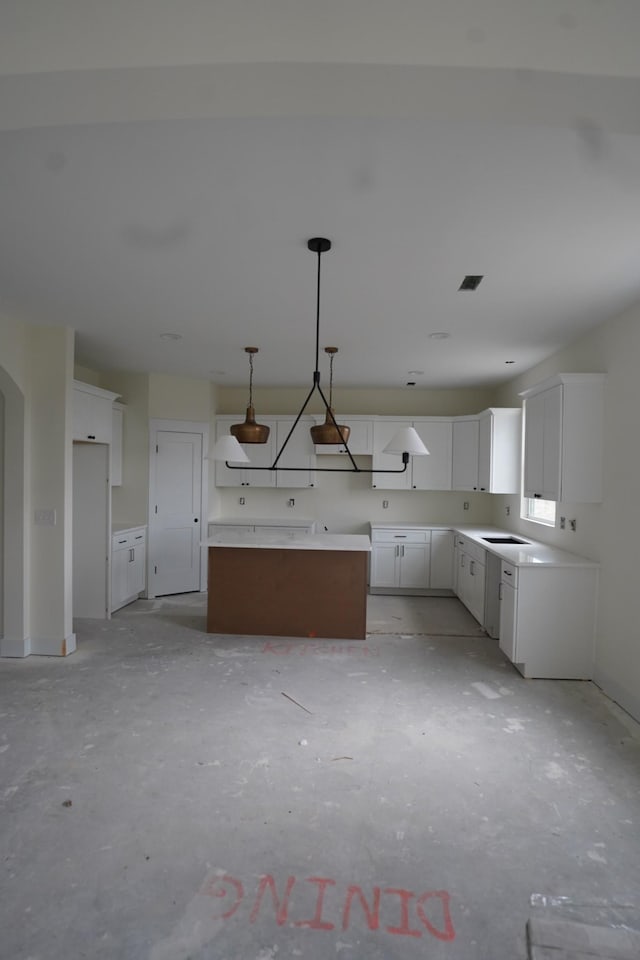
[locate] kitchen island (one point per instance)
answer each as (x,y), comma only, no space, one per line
(303,585)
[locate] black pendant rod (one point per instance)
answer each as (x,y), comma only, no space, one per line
(320,245)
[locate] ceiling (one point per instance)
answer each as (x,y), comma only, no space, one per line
(144,192)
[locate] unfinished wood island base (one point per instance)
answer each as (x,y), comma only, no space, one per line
(308,586)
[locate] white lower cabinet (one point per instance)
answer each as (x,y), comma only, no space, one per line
(547,620)
(400,558)
(470,576)
(441,567)
(128,566)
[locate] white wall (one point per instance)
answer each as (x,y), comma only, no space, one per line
(50,427)
(608,532)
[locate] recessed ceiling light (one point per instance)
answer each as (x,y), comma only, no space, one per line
(509,361)
(411,383)
(416,373)
(439,335)
(171,336)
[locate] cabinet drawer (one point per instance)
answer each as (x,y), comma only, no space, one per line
(128,538)
(401,536)
(120,540)
(509,573)
(473,550)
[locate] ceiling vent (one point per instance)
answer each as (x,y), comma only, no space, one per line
(470,282)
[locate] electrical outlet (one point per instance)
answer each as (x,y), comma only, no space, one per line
(291,502)
(507,510)
(563,522)
(465,505)
(573,524)
(45,518)
(385,504)
(242,501)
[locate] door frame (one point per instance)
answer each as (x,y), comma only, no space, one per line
(179,426)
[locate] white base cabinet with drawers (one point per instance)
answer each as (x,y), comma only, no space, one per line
(411,559)
(547,620)
(128,566)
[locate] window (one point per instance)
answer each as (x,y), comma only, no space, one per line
(540,511)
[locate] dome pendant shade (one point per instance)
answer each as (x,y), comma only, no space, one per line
(250,431)
(329,432)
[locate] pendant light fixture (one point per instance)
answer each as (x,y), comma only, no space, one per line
(250,431)
(405,442)
(330,431)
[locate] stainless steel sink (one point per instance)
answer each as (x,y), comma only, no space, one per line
(504,540)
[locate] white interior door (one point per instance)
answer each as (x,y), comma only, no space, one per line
(175,522)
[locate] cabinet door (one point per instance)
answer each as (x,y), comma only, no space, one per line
(119,571)
(434,471)
(117,418)
(464,472)
(413,567)
(485,447)
(475,597)
(463,586)
(543,444)
(441,566)
(383,431)
(384,560)
(360,438)
(507,639)
(260,455)
(300,451)
(137,574)
(92,417)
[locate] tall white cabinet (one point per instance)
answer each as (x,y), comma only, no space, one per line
(563,439)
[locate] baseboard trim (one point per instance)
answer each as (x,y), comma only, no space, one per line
(15,646)
(619,694)
(53,646)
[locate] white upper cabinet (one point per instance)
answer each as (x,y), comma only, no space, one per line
(360,439)
(299,452)
(432,472)
(563,440)
(464,471)
(92,413)
(117,424)
(486,451)
(260,455)
(499,450)
(383,430)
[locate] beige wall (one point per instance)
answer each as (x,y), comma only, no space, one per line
(425,403)
(50,419)
(179,398)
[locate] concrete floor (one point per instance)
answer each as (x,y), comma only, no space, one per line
(169,794)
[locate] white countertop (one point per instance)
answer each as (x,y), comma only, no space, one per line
(529,554)
(308,541)
(409,525)
(533,553)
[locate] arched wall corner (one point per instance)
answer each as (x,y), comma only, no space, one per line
(14,641)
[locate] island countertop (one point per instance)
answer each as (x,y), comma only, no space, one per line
(262,540)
